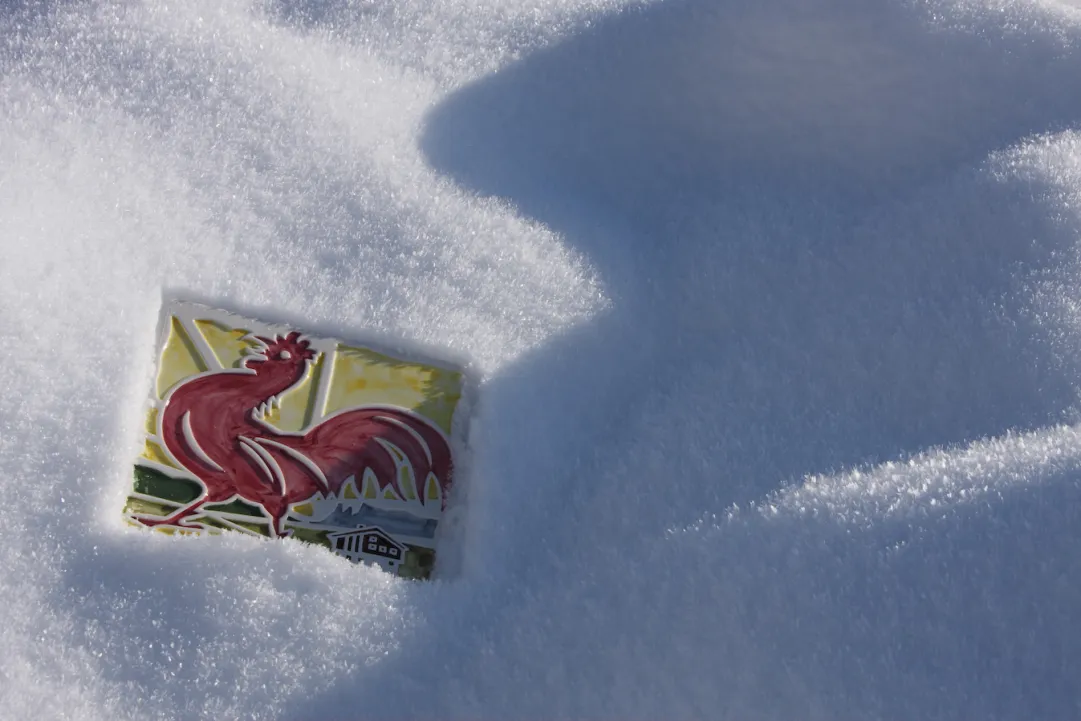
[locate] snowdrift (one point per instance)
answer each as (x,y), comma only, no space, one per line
(774,308)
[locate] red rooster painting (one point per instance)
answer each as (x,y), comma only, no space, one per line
(213,426)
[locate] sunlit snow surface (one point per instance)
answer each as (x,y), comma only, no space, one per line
(775,308)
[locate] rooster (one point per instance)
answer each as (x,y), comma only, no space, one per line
(212,425)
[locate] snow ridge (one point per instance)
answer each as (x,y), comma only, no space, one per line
(774,310)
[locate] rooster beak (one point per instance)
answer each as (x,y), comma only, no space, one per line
(255,349)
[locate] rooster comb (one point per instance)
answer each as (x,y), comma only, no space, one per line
(292,342)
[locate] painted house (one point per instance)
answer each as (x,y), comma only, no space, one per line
(368,544)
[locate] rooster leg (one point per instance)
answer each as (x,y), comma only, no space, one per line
(176,518)
(277,526)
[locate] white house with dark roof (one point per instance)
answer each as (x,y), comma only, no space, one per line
(369,544)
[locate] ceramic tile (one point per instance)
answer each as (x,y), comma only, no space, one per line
(266,430)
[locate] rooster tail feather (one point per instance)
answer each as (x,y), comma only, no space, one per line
(398,439)
(421,446)
(380,440)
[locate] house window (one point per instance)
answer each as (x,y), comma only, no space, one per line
(382,549)
(341,543)
(393,552)
(371,544)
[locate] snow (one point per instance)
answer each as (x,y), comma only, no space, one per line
(775,310)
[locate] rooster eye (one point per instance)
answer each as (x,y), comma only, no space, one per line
(285,355)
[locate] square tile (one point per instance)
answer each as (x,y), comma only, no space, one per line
(266,430)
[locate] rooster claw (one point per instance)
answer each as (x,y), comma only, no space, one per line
(158,521)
